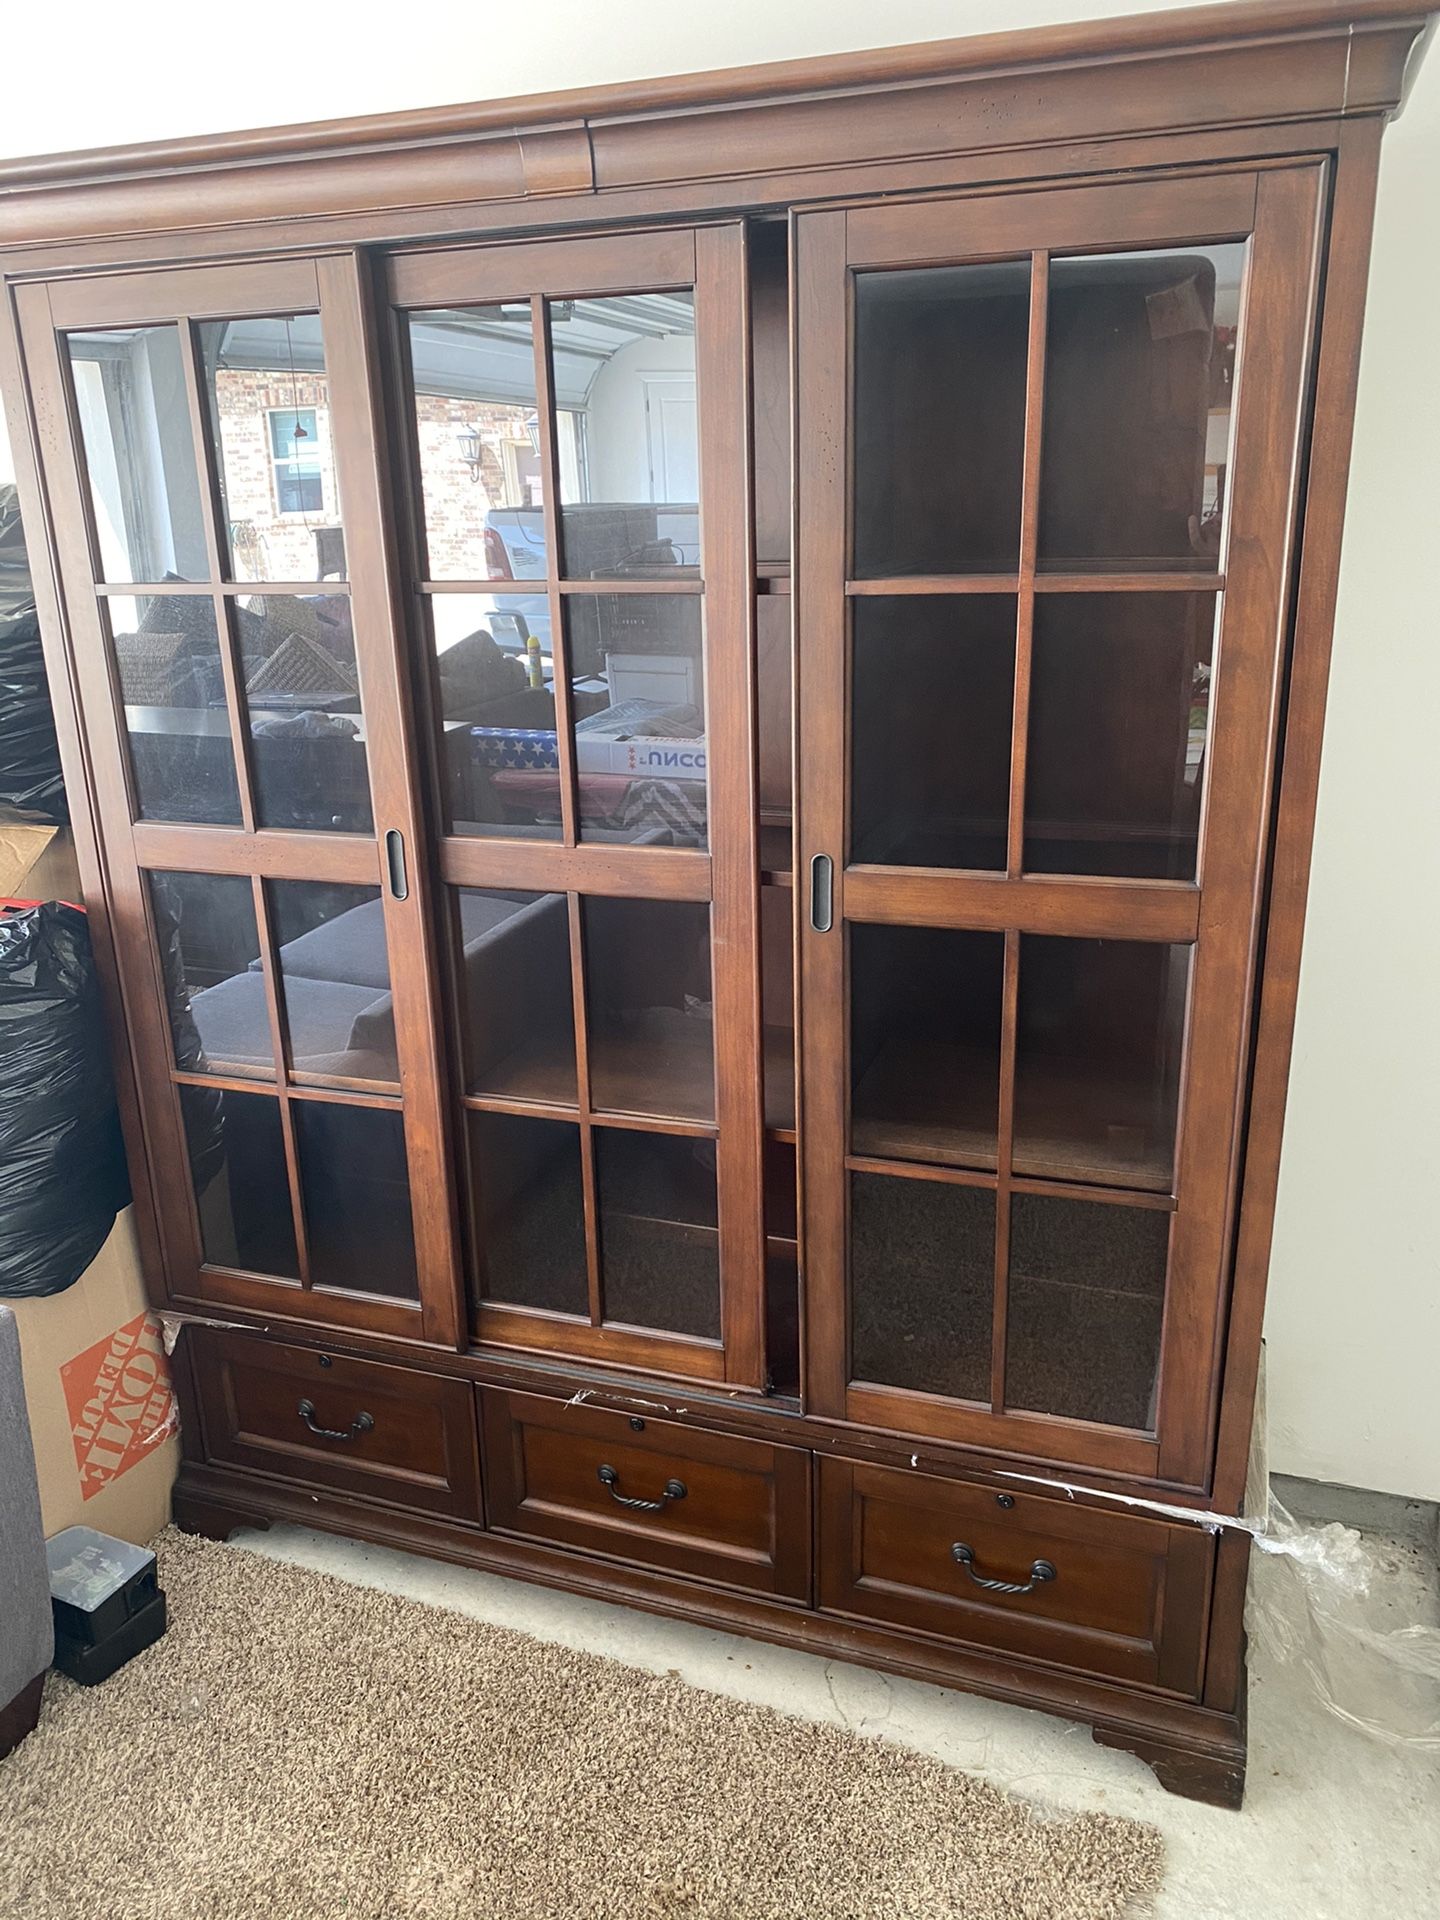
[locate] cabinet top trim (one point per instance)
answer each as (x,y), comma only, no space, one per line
(1192,69)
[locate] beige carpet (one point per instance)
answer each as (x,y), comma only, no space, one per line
(298,1748)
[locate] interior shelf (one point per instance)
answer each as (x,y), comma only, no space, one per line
(939,1103)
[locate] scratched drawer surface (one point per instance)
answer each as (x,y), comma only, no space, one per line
(710,1505)
(355,1425)
(1112,1593)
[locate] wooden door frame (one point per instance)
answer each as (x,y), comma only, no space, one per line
(332,287)
(712,259)
(1276,206)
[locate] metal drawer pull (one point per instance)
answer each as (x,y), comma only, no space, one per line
(362,1423)
(1040,1572)
(674,1490)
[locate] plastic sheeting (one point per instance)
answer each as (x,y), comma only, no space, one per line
(1325,1600)
(62,1163)
(30,784)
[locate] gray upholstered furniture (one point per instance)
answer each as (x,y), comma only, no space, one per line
(26,1635)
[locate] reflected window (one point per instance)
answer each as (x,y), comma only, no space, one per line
(134,417)
(268,398)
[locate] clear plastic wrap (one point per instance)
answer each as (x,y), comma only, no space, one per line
(1360,1613)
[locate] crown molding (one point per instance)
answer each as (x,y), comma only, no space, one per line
(1192,70)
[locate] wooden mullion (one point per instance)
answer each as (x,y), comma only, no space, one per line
(617,872)
(727,531)
(352,325)
(231,589)
(280,1042)
(944,584)
(175,846)
(1139,582)
(550,507)
(594,1279)
(822,331)
(1029,543)
(1004,1151)
(683,583)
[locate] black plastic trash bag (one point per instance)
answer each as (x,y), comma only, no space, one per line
(30,783)
(62,1163)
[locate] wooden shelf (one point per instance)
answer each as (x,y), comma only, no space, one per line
(939,1103)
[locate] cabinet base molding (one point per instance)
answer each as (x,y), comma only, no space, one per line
(1194,1751)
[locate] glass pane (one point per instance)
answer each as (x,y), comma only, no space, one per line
(478,434)
(529,1212)
(623,369)
(302,688)
(356,1187)
(651,1012)
(167,656)
(334,980)
(242,1189)
(925,1043)
(1140,365)
(494,680)
(517,1001)
(1119,714)
(1100,1030)
(659,1243)
(922,1284)
(637,680)
(940,418)
(1087,1296)
(214,977)
(932,689)
(269,406)
(134,415)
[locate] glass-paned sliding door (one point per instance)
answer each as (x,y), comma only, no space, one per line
(1045,442)
(581,602)
(221,546)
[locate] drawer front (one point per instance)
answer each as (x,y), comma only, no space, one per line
(710,1505)
(355,1425)
(1127,1596)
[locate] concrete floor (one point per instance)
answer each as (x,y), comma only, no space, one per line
(1336,1825)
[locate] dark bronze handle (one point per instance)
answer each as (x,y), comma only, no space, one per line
(362,1423)
(674,1490)
(1040,1572)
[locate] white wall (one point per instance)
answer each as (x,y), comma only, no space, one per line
(1354,1320)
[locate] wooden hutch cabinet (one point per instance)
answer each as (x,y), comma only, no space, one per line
(693,718)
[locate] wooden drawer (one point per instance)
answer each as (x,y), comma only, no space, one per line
(713,1505)
(355,1425)
(1128,1599)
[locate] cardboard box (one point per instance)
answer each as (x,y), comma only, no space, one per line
(102,1410)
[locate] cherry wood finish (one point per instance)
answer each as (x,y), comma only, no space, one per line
(1126,1595)
(737,1511)
(417,1450)
(768,192)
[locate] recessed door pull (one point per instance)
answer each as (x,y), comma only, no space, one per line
(822,892)
(395,864)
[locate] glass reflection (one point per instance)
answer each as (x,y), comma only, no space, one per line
(477,431)
(623,369)
(268,400)
(1139,381)
(167,658)
(214,976)
(334,980)
(302,690)
(134,416)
